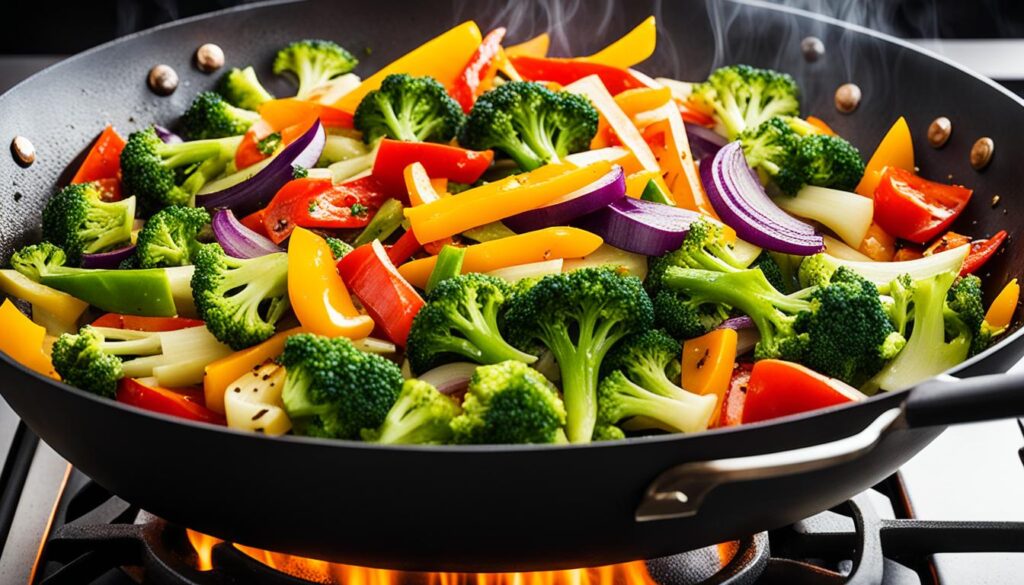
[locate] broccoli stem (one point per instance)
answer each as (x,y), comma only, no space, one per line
(491,348)
(187,153)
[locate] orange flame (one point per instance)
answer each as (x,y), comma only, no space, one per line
(632,573)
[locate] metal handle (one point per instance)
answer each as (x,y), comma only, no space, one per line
(680,491)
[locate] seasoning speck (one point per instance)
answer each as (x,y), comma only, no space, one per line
(260,414)
(981,153)
(209,58)
(812,49)
(17,196)
(703,359)
(163,79)
(995,200)
(237,389)
(848,97)
(23,150)
(939,131)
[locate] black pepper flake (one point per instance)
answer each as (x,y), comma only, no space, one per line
(703,358)
(256,374)
(743,388)
(260,414)
(17,196)
(237,389)
(266,377)
(259,430)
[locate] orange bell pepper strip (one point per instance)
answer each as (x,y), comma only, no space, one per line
(895,150)
(707,364)
(617,120)
(677,164)
(821,125)
(495,201)
(535,47)
(635,46)
(286,112)
(23,340)
(536,246)
(442,58)
(643,99)
(878,244)
(104,158)
(221,373)
(318,296)
(617,155)
(418,183)
(1000,312)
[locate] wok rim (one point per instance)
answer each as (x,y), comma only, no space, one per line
(679,438)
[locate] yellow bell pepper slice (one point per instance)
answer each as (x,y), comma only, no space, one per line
(495,201)
(637,182)
(60,305)
(616,155)
(443,58)
(536,246)
(617,120)
(643,99)
(22,340)
(636,46)
(707,364)
(418,184)
(1001,311)
(895,150)
(222,373)
(535,47)
(318,296)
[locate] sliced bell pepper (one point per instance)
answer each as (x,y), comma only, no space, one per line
(981,251)
(636,183)
(442,58)
(318,296)
(23,340)
(635,46)
(254,221)
(535,47)
(145,292)
(617,120)
(821,125)
(566,71)
(156,399)
(915,209)
(319,203)
(778,388)
(495,201)
(908,253)
(895,150)
(282,113)
(468,85)
(948,241)
(678,165)
(62,306)
(617,155)
(643,99)
(248,152)
(137,323)
(418,185)
(403,248)
(536,246)
(104,158)
(707,364)
(735,396)
(1000,312)
(694,116)
(439,160)
(221,373)
(386,296)
(878,244)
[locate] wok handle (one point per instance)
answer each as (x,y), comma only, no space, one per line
(679,492)
(946,400)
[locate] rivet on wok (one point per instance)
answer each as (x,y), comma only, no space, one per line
(981,152)
(163,80)
(23,150)
(939,131)
(812,48)
(209,58)
(848,97)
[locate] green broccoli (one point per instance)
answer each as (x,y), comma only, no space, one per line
(901,293)
(829,161)
(766,263)
(603,432)
(333,390)
(510,402)
(683,317)
(460,319)
(744,97)
(170,174)
(579,316)
(414,109)
(339,248)
(620,399)
(421,415)
(646,358)
(242,89)
(313,63)
(80,222)
(87,361)
(211,116)
(770,149)
(169,237)
(240,299)
(965,310)
(530,123)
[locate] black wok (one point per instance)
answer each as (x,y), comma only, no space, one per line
(515,507)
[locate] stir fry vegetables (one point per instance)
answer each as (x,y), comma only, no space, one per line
(480,243)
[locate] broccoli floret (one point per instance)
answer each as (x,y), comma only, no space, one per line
(170,174)
(421,415)
(579,316)
(530,123)
(744,97)
(80,222)
(87,361)
(619,399)
(901,293)
(414,109)
(646,358)
(510,402)
(211,116)
(169,237)
(37,259)
(333,390)
(339,248)
(313,63)
(829,161)
(460,320)
(240,299)
(766,263)
(816,270)
(603,432)
(965,309)
(241,88)
(685,318)
(770,149)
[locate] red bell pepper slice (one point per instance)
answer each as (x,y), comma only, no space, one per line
(139,323)
(387,297)
(981,251)
(735,396)
(319,203)
(566,71)
(916,209)
(439,160)
(467,85)
(403,248)
(697,117)
(104,158)
(254,221)
(183,404)
(778,388)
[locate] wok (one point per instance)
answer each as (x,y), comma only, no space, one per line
(492,508)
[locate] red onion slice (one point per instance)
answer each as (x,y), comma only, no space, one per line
(238,240)
(255,192)
(704,142)
(740,200)
(640,226)
(111,259)
(450,378)
(166,135)
(737,323)
(606,190)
